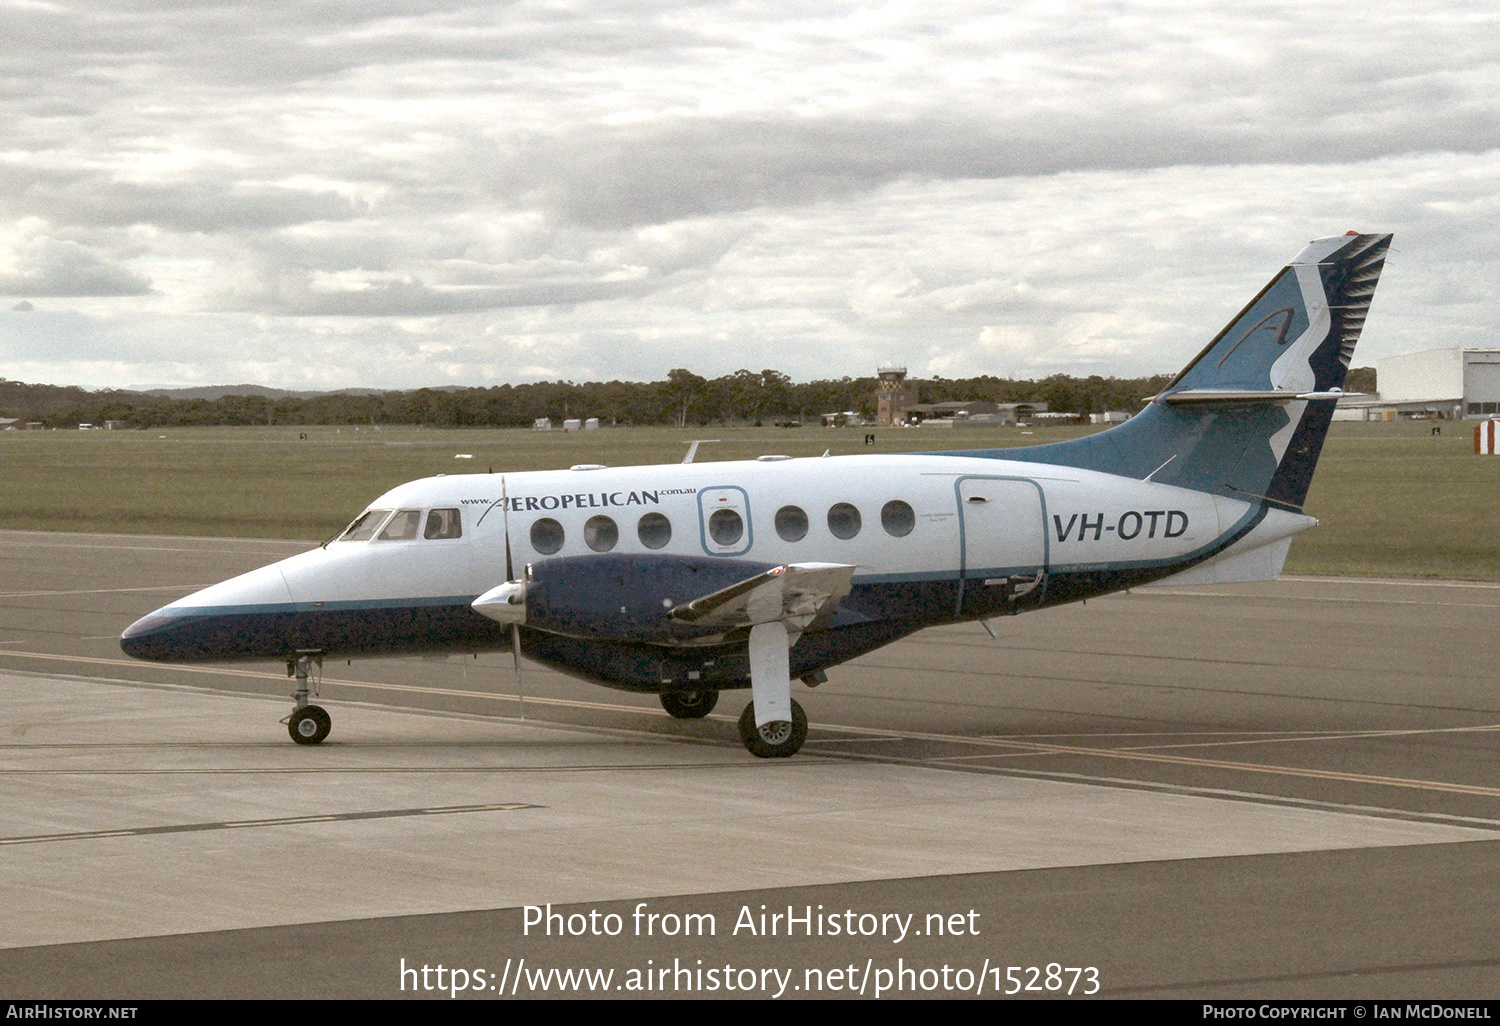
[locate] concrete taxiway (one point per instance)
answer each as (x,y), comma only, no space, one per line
(1286,789)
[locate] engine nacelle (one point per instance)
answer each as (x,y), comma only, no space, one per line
(615,596)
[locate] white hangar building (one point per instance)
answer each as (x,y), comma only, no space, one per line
(1447,383)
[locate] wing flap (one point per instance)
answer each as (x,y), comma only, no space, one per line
(799,595)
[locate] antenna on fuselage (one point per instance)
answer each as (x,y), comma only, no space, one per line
(693,447)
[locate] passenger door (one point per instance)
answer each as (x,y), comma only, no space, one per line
(1002,532)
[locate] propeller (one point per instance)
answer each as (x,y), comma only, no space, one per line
(515,628)
(506,603)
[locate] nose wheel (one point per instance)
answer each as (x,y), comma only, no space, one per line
(308,724)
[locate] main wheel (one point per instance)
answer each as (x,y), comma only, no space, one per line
(309,725)
(689,705)
(777,739)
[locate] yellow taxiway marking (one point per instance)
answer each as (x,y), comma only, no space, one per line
(331,681)
(1351,599)
(1010,745)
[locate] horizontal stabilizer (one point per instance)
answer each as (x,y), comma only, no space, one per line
(1233,395)
(797,594)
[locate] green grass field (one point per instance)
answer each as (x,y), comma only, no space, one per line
(1393,500)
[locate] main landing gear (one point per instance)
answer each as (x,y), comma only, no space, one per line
(308,724)
(689,705)
(772,726)
(778,739)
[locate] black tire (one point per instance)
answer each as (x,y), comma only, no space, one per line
(309,725)
(689,705)
(776,740)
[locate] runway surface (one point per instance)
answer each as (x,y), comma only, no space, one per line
(1284,790)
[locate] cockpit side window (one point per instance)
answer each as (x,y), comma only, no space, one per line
(365,525)
(443,523)
(403,526)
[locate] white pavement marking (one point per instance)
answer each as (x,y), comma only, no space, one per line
(1312,735)
(94,540)
(1396,582)
(684,818)
(100,591)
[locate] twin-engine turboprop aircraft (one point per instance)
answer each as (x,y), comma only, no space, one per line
(690,579)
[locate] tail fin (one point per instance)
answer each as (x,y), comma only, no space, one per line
(1247,417)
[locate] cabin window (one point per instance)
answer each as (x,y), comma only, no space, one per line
(725,527)
(443,523)
(403,526)
(897,518)
(363,529)
(791,523)
(843,520)
(546,536)
(600,534)
(654,530)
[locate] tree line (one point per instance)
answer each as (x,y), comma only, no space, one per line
(683,399)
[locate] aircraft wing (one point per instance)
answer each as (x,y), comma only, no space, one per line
(795,594)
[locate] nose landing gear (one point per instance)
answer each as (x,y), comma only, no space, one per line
(308,724)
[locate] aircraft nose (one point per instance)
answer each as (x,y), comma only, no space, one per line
(222,621)
(150,636)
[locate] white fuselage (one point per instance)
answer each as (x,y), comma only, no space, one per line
(970,517)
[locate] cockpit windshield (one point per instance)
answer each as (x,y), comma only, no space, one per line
(403,526)
(365,526)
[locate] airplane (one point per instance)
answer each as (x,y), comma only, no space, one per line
(689,579)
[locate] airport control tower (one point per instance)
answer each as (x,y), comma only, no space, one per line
(894,395)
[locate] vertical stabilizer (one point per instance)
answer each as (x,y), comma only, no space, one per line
(1247,417)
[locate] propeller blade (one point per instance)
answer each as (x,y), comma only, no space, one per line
(505,525)
(515,655)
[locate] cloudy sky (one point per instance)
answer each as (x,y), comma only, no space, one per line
(393,193)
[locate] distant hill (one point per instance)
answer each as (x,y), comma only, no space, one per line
(212,392)
(683,398)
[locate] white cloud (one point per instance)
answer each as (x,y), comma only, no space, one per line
(479,192)
(44,266)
